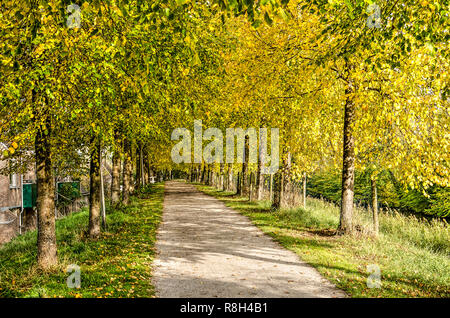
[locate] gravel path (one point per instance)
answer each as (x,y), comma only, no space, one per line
(206,249)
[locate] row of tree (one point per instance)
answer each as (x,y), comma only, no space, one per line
(348,89)
(341,92)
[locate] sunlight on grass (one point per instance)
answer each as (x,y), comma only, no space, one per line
(413,255)
(118,264)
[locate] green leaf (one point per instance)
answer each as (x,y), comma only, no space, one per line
(267,18)
(350,8)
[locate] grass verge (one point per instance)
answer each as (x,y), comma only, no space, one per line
(118,264)
(413,256)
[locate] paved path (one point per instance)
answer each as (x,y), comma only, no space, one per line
(206,249)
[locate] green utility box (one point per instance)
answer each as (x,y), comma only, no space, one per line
(69,190)
(29,195)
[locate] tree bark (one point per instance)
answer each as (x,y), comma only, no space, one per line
(149,168)
(95,196)
(102,192)
(127,170)
(115,182)
(251,187)
(131,169)
(259,182)
(238,184)
(244,175)
(221,178)
(207,176)
(277,189)
(141,165)
(348,168)
(230,177)
(271,188)
(138,167)
(196,173)
(375,206)
(287,187)
(46,240)
(304,190)
(281,184)
(203,175)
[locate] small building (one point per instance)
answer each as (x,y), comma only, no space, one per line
(12,216)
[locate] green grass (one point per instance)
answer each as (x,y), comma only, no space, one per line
(413,256)
(118,264)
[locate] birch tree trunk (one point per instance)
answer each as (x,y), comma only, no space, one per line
(138,167)
(203,176)
(375,206)
(131,169)
(251,187)
(239,184)
(221,177)
(230,177)
(271,188)
(286,187)
(348,168)
(244,175)
(126,172)
(115,182)
(277,189)
(259,181)
(46,240)
(304,190)
(141,164)
(95,196)
(102,192)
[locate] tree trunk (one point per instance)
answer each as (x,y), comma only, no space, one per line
(196,173)
(131,169)
(375,206)
(271,188)
(251,187)
(230,177)
(115,182)
(95,196)
(348,168)
(126,172)
(238,184)
(304,190)
(221,178)
(259,182)
(277,189)
(245,183)
(149,168)
(207,176)
(46,240)
(102,192)
(145,170)
(203,175)
(287,187)
(138,167)
(141,165)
